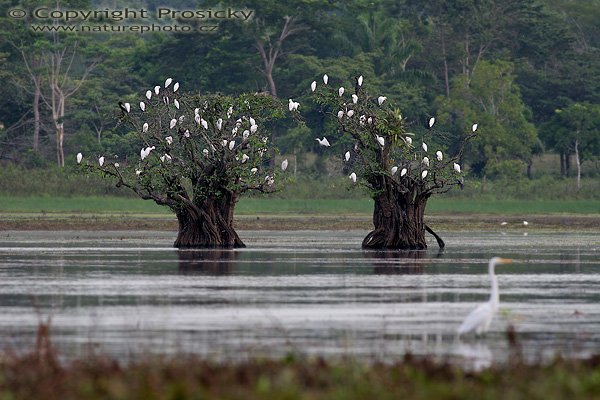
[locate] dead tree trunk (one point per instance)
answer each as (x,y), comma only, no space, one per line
(207,225)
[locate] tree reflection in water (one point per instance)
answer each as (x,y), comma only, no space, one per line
(207,261)
(400,262)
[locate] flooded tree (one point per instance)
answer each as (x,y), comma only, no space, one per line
(197,155)
(400,173)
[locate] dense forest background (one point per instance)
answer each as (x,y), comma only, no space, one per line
(528,72)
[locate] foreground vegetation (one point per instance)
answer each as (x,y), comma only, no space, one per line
(41,376)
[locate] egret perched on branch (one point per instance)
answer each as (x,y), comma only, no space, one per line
(169,140)
(142,106)
(480,318)
(424,174)
(323,142)
(313,86)
(173,123)
(403,172)
(354,98)
(325,79)
(156,89)
(408,139)
(176,102)
(380,140)
(101,161)
(79,158)
(431,121)
(457,167)
(168,82)
(293,105)
(125,106)
(426,161)
(340,114)
(439,155)
(381,99)
(474,127)
(175,87)
(341,91)
(145,127)
(347,156)
(394,170)
(360,80)
(284,164)
(424,146)
(352,177)
(149,94)
(350,113)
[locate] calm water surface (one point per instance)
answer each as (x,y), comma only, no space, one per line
(127,294)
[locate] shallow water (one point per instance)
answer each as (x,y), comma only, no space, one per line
(127,294)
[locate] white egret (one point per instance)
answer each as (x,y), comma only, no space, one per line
(253,170)
(125,106)
(408,139)
(525,223)
(360,80)
(204,123)
(219,123)
(325,79)
(175,87)
(431,121)
(176,102)
(403,172)
(197,118)
(231,145)
(168,82)
(162,159)
(284,164)
(245,158)
(347,156)
(313,86)
(380,140)
(323,142)
(101,161)
(394,170)
(79,158)
(252,121)
(381,99)
(424,174)
(426,161)
(169,140)
(439,155)
(424,146)
(293,105)
(173,123)
(253,128)
(149,94)
(224,142)
(370,120)
(340,114)
(142,106)
(503,223)
(156,89)
(245,134)
(116,165)
(138,172)
(457,167)
(186,133)
(205,152)
(352,177)
(341,91)
(474,127)
(350,113)
(480,318)
(354,98)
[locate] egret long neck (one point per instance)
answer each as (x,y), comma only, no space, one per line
(494,296)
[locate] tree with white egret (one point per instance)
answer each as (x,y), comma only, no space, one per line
(382,147)
(199,154)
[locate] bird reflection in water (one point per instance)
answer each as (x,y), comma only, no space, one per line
(207,261)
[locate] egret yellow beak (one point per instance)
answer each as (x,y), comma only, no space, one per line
(505,261)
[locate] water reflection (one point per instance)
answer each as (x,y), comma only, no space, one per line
(210,261)
(313,292)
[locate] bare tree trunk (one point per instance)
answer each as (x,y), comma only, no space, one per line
(446,74)
(36,113)
(567,163)
(562,163)
(578,162)
(209,225)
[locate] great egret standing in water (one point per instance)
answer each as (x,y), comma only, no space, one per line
(480,318)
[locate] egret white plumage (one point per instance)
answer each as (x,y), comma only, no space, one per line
(439,155)
(347,156)
(360,80)
(424,146)
(350,113)
(219,123)
(424,174)
(325,79)
(284,164)
(138,172)
(426,161)
(148,94)
(408,139)
(293,105)
(431,121)
(352,177)
(101,161)
(116,165)
(245,134)
(403,172)
(323,142)
(457,167)
(369,120)
(381,99)
(503,223)
(253,170)
(79,158)
(394,170)
(480,318)
(175,87)
(313,86)
(525,223)
(169,140)
(156,89)
(204,123)
(253,128)
(380,140)
(245,158)
(341,91)
(474,128)
(168,82)
(354,98)
(142,106)
(173,123)
(125,106)
(340,114)
(205,152)
(186,133)
(231,144)
(176,102)
(252,121)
